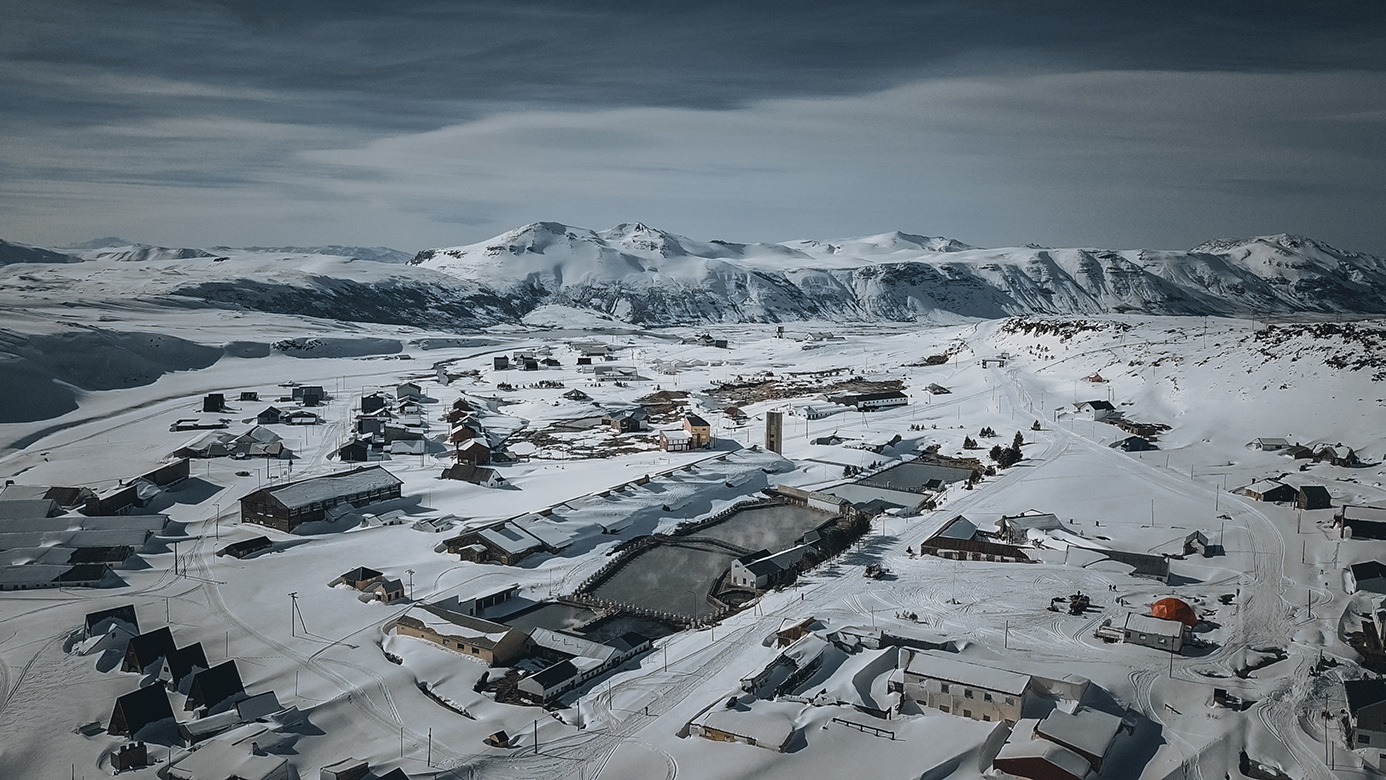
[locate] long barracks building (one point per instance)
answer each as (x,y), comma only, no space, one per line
(286,507)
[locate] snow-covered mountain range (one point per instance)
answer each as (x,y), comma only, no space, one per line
(644,275)
(640,275)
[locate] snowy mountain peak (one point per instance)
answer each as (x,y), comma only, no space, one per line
(640,237)
(139,253)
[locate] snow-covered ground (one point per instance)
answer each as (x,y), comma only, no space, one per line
(1217,383)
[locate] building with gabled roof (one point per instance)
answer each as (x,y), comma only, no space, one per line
(1313,497)
(1151,631)
(215,686)
(100,622)
(1089,733)
(1361,522)
(625,420)
(148,649)
(1366,700)
(286,507)
(477,475)
(13,508)
(1097,410)
(491,643)
(1368,575)
(1270,490)
(770,730)
(139,709)
(184,663)
(246,547)
(1015,529)
(473,452)
(698,430)
(675,441)
(948,683)
(1035,758)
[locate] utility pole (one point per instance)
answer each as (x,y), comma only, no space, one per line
(293,610)
(410,572)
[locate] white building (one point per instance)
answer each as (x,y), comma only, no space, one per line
(945,682)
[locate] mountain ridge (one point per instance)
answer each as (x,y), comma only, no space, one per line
(640,275)
(648,276)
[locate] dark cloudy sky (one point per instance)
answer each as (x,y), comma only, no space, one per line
(418,124)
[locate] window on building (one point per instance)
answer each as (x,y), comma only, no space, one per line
(986,697)
(986,718)
(1009,701)
(943,707)
(967,713)
(943,687)
(967,692)
(1362,739)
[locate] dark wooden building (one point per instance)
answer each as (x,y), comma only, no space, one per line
(286,507)
(138,709)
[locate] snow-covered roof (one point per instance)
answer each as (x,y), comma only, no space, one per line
(1359,512)
(510,538)
(805,649)
(1044,750)
(317,489)
(1038,520)
(1086,730)
(217,758)
(676,435)
(1149,624)
(949,668)
(1265,486)
(571,645)
(445,623)
(771,729)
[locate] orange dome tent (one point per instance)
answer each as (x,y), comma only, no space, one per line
(1174,609)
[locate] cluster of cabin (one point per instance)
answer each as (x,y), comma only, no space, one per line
(62,537)
(1142,436)
(1046,731)
(1333,454)
(372,585)
(213,693)
(506,542)
(471,448)
(258,441)
(181,699)
(1275,490)
(870,402)
(550,664)
(1014,535)
(387,425)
